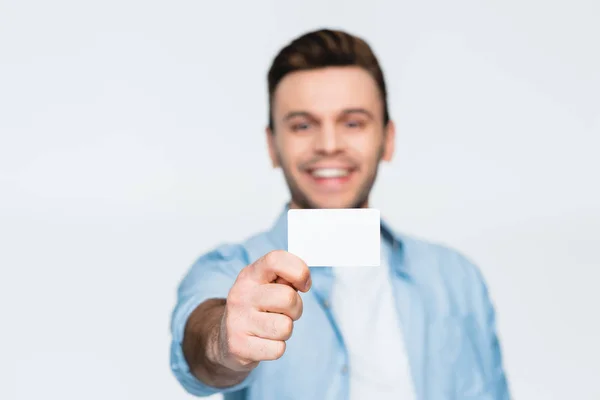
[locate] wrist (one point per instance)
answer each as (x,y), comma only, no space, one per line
(213,347)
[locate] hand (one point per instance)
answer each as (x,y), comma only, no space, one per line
(260,309)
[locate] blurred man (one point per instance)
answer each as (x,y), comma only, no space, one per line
(421,326)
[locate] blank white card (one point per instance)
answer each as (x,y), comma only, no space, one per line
(335,237)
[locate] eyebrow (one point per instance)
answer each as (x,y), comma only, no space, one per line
(346,111)
(294,114)
(358,111)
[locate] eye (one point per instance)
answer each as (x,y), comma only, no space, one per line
(354,124)
(302,126)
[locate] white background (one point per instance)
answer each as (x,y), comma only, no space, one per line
(132,141)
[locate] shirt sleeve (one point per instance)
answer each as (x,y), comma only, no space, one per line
(211,276)
(486,337)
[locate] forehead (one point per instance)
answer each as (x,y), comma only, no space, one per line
(327,91)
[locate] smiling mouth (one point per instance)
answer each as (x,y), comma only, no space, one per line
(331,179)
(329,173)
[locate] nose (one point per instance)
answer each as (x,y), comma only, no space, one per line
(328,140)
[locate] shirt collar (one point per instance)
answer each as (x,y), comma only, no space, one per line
(278,235)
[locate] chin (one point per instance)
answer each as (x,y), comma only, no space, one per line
(334,203)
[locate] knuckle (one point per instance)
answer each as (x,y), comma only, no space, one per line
(245,275)
(290,298)
(241,296)
(270,258)
(234,299)
(287,326)
(299,309)
(279,349)
(281,328)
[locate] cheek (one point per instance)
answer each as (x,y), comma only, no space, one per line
(292,151)
(365,148)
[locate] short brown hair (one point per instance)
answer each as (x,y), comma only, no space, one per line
(325,48)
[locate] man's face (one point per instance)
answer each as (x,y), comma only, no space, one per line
(329,136)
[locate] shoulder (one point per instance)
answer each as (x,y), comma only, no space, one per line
(235,253)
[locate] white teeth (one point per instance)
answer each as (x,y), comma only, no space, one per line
(330,173)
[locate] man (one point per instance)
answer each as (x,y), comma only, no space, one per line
(421,326)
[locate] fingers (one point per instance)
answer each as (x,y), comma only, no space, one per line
(283,282)
(261,307)
(284,265)
(254,348)
(271,326)
(278,298)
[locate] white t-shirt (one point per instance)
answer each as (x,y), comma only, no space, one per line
(364,308)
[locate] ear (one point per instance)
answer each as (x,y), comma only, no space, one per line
(389,142)
(271,145)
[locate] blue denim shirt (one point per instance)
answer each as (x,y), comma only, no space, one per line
(447,318)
